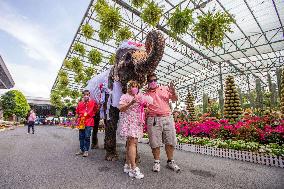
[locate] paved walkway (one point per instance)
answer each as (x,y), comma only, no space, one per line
(47,160)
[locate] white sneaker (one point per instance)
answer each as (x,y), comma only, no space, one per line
(28,133)
(126,168)
(173,166)
(156,166)
(136,173)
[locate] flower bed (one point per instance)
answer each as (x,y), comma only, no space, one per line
(255,139)
(256,129)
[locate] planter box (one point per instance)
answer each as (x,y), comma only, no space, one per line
(234,154)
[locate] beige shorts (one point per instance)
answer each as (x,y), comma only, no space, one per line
(161,130)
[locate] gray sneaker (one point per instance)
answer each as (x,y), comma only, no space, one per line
(86,154)
(156,166)
(173,166)
(136,173)
(79,153)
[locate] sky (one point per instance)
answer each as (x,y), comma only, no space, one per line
(34,38)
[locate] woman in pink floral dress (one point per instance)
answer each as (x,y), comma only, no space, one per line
(131,123)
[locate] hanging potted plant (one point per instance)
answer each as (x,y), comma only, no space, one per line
(111,59)
(180,21)
(110,19)
(87,31)
(63,78)
(89,71)
(55,99)
(211,28)
(100,5)
(77,65)
(79,48)
(138,3)
(95,57)
(152,14)
(105,35)
(79,77)
(62,73)
(67,64)
(74,94)
(122,34)
(65,92)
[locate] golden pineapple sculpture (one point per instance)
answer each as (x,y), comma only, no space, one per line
(190,107)
(232,107)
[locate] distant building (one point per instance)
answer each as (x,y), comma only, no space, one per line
(6,81)
(42,106)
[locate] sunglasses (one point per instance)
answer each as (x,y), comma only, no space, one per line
(150,81)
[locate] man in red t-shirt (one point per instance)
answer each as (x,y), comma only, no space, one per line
(85,111)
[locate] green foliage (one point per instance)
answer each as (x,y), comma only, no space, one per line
(62,73)
(110,20)
(100,6)
(152,14)
(65,92)
(122,34)
(87,31)
(55,99)
(111,59)
(211,28)
(74,94)
(180,21)
(89,71)
(14,102)
(105,35)
(78,47)
(95,57)
(63,80)
(80,77)
(77,65)
(138,3)
(67,64)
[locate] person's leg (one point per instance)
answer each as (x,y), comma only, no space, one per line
(169,137)
(127,166)
(156,153)
(82,141)
(95,131)
(29,127)
(33,127)
(110,135)
(169,151)
(155,139)
(135,171)
(132,143)
(88,131)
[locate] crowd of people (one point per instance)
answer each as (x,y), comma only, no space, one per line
(136,109)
